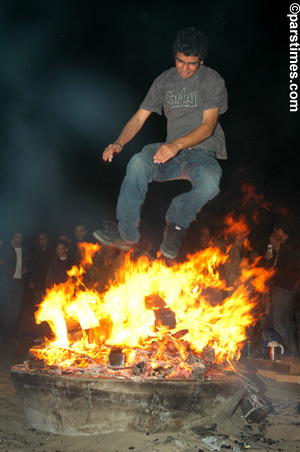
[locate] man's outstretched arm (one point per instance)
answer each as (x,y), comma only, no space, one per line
(201,133)
(133,126)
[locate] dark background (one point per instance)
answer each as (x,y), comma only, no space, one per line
(73,72)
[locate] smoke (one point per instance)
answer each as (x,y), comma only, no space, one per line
(55,113)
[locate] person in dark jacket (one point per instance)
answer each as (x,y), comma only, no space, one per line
(61,263)
(285,284)
(15,263)
(41,261)
(81,236)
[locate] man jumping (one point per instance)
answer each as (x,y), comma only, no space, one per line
(192,97)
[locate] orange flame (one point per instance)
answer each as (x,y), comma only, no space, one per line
(250,194)
(236,226)
(150,306)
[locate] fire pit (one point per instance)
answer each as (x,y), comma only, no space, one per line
(80,405)
(151,352)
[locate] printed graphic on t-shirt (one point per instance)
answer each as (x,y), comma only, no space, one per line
(181,99)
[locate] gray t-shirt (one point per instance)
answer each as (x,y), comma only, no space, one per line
(183,102)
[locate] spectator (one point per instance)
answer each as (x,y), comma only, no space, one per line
(71,247)
(269,261)
(236,254)
(271,255)
(263,331)
(41,262)
(205,238)
(81,235)
(61,263)
(285,285)
(15,263)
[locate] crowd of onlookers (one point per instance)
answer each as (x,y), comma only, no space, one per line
(46,265)
(40,268)
(278,311)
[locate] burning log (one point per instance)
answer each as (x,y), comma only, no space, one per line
(162,371)
(199,367)
(208,354)
(75,335)
(198,372)
(55,370)
(139,368)
(116,359)
(100,334)
(95,369)
(154,301)
(35,362)
(96,335)
(164,316)
(179,334)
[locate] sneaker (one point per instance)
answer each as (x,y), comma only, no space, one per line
(110,236)
(173,238)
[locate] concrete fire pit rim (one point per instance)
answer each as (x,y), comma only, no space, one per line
(84,405)
(43,373)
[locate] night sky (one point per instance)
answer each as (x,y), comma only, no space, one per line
(73,72)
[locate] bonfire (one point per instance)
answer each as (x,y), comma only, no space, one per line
(150,319)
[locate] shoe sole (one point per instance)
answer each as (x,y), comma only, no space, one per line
(168,255)
(110,243)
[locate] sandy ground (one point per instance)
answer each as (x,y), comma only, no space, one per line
(278,431)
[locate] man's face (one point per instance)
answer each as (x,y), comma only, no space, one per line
(43,241)
(61,250)
(187,65)
(80,232)
(17,239)
(278,234)
(275,243)
(204,237)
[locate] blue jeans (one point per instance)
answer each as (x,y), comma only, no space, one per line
(195,165)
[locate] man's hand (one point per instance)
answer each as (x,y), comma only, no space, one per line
(114,148)
(130,130)
(166,152)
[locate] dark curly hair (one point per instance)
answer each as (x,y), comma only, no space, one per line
(191,42)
